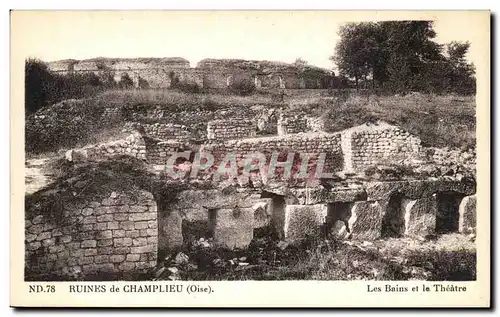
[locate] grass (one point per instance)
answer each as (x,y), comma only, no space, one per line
(90,181)
(384,260)
(174,97)
(440,121)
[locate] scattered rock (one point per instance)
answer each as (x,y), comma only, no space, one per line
(160,272)
(181,258)
(282,245)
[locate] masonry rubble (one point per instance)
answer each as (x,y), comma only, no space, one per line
(346,207)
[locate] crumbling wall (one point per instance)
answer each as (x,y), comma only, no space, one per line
(95,239)
(312,144)
(215,79)
(379,143)
(315,124)
(228,218)
(162,131)
(158,152)
(292,124)
(132,145)
(112,114)
(230,129)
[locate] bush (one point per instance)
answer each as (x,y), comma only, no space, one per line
(242,86)
(43,87)
(126,81)
(188,87)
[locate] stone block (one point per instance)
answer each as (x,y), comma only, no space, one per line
(143,249)
(48,242)
(106,250)
(303,220)
(89,220)
(172,230)
(30,237)
(66,239)
(420,216)
(127,225)
(132,233)
(120,217)
(32,246)
(122,242)
(467,214)
(233,228)
(365,222)
(86,260)
(142,216)
(89,244)
(101,259)
(105,243)
(262,210)
(133,257)
(44,235)
(118,233)
(105,218)
(107,234)
(126,266)
(113,225)
(89,252)
(117,258)
(121,250)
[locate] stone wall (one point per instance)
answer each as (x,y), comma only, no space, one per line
(312,144)
(230,129)
(292,124)
(133,145)
(364,212)
(112,114)
(159,72)
(116,235)
(378,143)
(158,152)
(161,131)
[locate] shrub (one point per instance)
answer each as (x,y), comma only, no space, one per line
(126,81)
(188,87)
(43,87)
(242,86)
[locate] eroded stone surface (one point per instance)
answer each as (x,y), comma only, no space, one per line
(303,220)
(95,237)
(415,189)
(420,216)
(365,222)
(172,230)
(467,214)
(234,227)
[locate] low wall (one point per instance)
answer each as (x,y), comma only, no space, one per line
(364,212)
(230,129)
(158,152)
(132,145)
(368,145)
(291,125)
(311,144)
(96,239)
(162,131)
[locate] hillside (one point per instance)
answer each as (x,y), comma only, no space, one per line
(431,117)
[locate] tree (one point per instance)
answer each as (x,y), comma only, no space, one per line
(358,51)
(300,63)
(37,84)
(401,56)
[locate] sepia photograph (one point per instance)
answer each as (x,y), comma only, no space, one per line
(250,146)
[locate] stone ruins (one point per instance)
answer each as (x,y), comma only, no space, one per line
(129,231)
(209,73)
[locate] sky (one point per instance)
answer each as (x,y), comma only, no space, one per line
(195,35)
